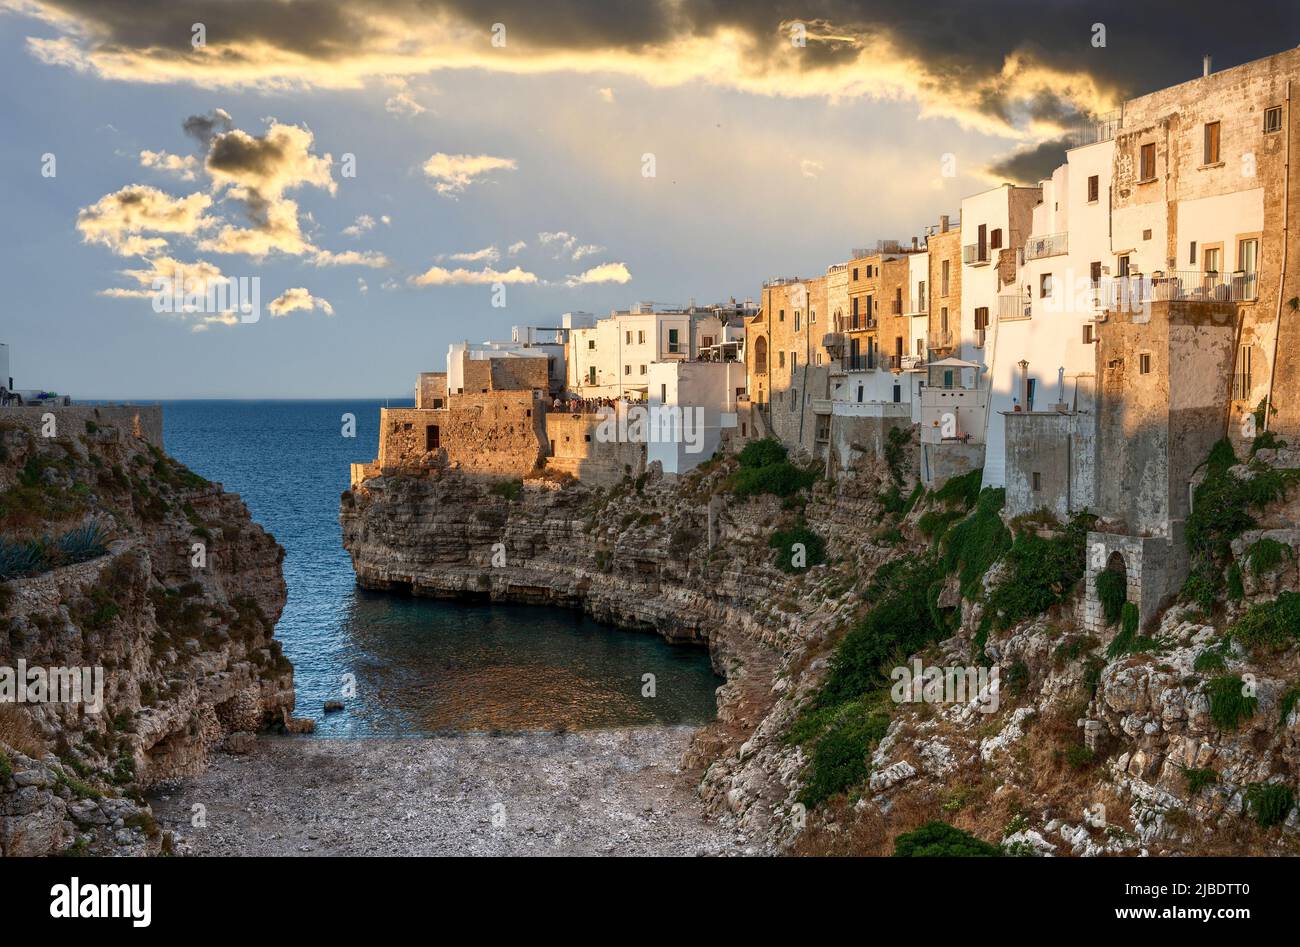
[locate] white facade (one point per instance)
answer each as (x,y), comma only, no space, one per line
(696,402)
(612,359)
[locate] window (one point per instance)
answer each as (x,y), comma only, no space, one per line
(1088,337)
(869,298)
(1044,285)
(640,337)
(780,359)
(1124,265)
(642,369)
(1146,234)
(920,296)
(794,362)
(673,345)
(591,344)
(706,341)
(943,318)
(855,273)
(944,280)
(920,347)
(1273,119)
(855,312)
(781,317)
(1144,364)
(1212,259)
(1147,169)
(794,398)
(982,243)
(796,320)
(981,318)
(1211,155)
(1191,257)
(627,369)
(1094,188)
(1038,481)
(591,375)
(629,336)
(995,239)
(1248,263)
(432,439)
(1094,272)
(663,394)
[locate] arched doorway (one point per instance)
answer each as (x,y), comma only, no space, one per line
(760,356)
(1112,587)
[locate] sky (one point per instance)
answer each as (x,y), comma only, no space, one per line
(401,175)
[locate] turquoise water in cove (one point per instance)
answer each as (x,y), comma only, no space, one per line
(420,666)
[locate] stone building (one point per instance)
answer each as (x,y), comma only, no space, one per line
(787,363)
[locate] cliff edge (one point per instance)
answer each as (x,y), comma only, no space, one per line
(128,576)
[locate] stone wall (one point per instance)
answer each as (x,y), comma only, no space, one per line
(1154,429)
(126,420)
(483,375)
(499,434)
(941,462)
(1154,566)
(1060,449)
(576,449)
(431,390)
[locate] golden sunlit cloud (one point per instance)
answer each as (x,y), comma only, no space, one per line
(440,276)
(298,298)
(604,273)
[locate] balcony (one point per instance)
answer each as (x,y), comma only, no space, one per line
(939,340)
(1037,248)
(1179,286)
(975,254)
(860,363)
(1014,306)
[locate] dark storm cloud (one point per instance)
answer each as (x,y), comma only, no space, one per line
(954,46)
(1030,165)
(203,127)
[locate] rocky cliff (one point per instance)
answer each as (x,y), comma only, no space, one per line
(120,560)
(1092,746)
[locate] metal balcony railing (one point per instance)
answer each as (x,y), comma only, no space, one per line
(860,363)
(1036,248)
(1179,286)
(1014,306)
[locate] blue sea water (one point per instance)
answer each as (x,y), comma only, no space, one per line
(421,666)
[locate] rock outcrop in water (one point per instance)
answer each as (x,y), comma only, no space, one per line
(1094,747)
(184,642)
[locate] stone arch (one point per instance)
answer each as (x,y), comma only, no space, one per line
(760,356)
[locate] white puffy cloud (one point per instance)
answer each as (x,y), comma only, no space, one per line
(183,166)
(453,173)
(603,273)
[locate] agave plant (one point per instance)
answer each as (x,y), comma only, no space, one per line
(19,558)
(85,542)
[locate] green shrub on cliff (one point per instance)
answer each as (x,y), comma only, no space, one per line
(973,545)
(810,551)
(1274,624)
(964,489)
(840,758)
(1229,704)
(510,489)
(1112,592)
(765,468)
(1265,554)
(1270,803)
(940,840)
(1039,572)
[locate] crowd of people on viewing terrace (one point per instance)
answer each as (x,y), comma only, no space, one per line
(572,404)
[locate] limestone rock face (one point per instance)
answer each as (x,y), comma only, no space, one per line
(182,633)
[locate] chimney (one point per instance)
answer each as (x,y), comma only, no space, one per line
(943,224)
(1205,65)
(915,245)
